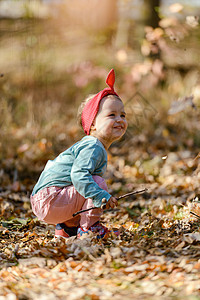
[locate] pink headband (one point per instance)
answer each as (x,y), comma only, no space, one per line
(92,106)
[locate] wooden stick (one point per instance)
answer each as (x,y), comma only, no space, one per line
(132,193)
(104,206)
(194,214)
(191,212)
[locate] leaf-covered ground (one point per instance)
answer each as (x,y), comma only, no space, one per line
(156,255)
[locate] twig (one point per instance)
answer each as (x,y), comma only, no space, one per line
(191,212)
(194,214)
(198,155)
(104,206)
(132,193)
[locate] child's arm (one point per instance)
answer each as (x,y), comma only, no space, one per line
(88,162)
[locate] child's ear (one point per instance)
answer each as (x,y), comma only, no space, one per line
(92,126)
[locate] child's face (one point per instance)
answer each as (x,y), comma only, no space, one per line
(110,123)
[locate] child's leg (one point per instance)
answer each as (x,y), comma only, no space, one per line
(62,207)
(56,205)
(92,216)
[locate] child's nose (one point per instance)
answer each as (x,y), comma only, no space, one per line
(119,119)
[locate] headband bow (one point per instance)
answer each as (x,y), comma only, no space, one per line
(92,106)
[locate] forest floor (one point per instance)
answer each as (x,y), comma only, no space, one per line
(155,256)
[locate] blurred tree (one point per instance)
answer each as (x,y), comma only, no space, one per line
(152,15)
(123,25)
(92,15)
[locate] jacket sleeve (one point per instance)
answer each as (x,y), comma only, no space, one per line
(87,161)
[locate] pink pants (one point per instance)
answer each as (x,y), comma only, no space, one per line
(56,205)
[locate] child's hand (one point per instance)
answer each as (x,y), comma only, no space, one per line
(112,202)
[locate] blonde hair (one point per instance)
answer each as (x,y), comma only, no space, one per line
(81,107)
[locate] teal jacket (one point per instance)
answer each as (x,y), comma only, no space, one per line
(76,166)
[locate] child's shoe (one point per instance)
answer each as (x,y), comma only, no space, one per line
(96,228)
(63,231)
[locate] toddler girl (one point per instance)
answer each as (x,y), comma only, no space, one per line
(73,181)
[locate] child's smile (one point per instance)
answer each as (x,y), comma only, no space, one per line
(110,123)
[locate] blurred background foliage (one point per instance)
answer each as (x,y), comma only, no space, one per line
(54,53)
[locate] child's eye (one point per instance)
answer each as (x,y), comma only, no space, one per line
(123,116)
(111,115)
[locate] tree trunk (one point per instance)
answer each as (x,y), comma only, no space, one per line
(152,14)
